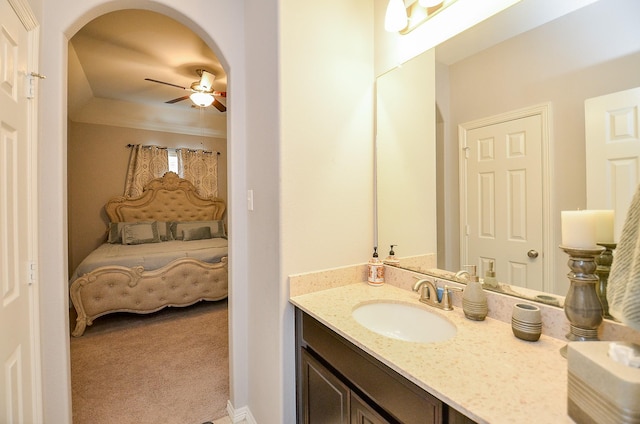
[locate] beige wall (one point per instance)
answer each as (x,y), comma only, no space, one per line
(326,157)
(97,164)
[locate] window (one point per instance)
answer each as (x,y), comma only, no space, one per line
(173,160)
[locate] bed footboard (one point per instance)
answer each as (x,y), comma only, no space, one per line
(109,289)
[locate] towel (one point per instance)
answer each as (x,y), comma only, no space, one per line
(623,288)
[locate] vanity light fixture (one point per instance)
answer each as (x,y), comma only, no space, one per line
(430,3)
(404,16)
(201,99)
(396,17)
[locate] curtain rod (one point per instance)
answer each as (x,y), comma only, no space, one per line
(195,150)
(179,148)
(147,147)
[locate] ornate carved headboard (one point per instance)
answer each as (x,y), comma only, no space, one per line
(169,198)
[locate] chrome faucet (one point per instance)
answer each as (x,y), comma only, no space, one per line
(429,294)
(461,273)
(470,275)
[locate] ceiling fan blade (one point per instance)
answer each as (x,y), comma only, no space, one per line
(220,93)
(165,83)
(219,106)
(179,99)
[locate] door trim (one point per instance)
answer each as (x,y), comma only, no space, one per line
(544,111)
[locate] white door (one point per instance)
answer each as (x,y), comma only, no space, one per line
(19,349)
(504,220)
(613,152)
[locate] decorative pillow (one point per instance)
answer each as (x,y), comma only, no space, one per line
(115,231)
(164,231)
(199,233)
(216,228)
(140,233)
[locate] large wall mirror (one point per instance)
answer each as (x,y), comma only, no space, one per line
(482,73)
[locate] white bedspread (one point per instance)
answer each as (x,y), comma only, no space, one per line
(152,255)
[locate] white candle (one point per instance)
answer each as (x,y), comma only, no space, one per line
(604,225)
(578,229)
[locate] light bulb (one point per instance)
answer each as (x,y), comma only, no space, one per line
(429,3)
(396,16)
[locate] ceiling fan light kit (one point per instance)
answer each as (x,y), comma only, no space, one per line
(201,99)
(202,94)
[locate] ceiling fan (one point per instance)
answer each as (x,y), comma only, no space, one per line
(202,92)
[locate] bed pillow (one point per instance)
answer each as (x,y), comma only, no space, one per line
(140,233)
(198,233)
(164,231)
(216,228)
(115,231)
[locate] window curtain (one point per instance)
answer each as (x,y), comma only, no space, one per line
(201,168)
(145,164)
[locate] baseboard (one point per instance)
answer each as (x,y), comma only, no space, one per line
(239,415)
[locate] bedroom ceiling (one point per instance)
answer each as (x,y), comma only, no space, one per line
(110,58)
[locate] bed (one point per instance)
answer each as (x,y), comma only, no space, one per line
(167,247)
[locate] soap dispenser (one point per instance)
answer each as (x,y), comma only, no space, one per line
(490,277)
(474,299)
(376,270)
(391,259)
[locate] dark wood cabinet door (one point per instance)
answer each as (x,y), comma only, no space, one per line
(362,413)
(325,398)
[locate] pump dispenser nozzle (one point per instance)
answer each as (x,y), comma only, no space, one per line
(490,276)
(490,272)
(391,259)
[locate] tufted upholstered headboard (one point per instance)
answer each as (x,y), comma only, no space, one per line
(169,198)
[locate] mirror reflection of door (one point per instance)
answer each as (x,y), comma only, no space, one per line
(613,152)
(502,194)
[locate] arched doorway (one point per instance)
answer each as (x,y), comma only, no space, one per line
(201,136)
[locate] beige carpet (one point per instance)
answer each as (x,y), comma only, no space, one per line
(168,367)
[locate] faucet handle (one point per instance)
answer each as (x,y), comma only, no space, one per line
(446,297)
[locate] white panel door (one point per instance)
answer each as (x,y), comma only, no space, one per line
(613,152)
(19,365)
(504,198)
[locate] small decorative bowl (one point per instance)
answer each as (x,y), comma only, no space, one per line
(527,313)
(526,322)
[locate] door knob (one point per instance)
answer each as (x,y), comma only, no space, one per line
(532,254)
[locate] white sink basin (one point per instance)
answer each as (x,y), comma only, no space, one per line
(404,322)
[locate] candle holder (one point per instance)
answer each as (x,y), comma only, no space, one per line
(604,261)
(582,305)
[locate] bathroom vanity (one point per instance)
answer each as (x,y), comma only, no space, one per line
(340,383)
(483,374)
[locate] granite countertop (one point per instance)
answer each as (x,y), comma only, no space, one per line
(485,372)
